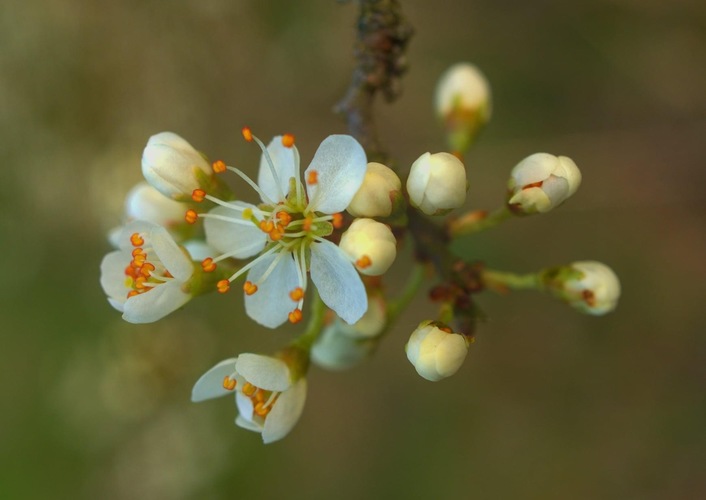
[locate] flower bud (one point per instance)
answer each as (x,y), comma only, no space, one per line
(377,193)
(463,101)
(172,166)
(437,183)
(371,245)
(144,202)
(342,346)
(542,182)
(589,286)
(436,353)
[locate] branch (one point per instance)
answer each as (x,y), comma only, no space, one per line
(383,34)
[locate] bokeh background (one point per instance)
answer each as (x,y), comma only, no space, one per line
(550,404)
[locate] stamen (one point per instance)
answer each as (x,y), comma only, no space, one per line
(223,286)
(259,396)
(306,225)
(219,166)
(249,288)
(260,409)
(267,226)
(364,262)
(198,195)
(191,216)
(208,265)
(252,184)
(137,240)
(249,389)
(132,293)
(295,316)
(247,134)
(284,218)
(337,220)
(270,164)
(312,178)
(287,140)
(297,294)
(229,383)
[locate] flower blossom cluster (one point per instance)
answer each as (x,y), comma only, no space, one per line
(314,244)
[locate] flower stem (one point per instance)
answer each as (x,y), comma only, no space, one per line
(316,323)
(414,282)
(473,222)
(502,282)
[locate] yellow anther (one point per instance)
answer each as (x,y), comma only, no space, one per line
(295,316)
(259,396)
(223,286)
(261,410)
(266,226)
(364,262)
(198,195)
(208,265)
(284,218)
(247,213)
(337,220)
(249,288)
(229,383)
(312,178)
(287,140)
(219,166)
(297,294)
(306,225)
(191,216)
(249,389)
(247,134)
(137,240)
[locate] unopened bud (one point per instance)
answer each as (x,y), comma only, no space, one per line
(589,286)
(144,202)
(377,193)
(542,182)
(172,166)
(371,245)
(437,183)
(463,102)
(342,346)
(435,352)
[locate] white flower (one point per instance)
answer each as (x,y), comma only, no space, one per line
(172,166)
(341,346)
(596,291)
(464,88)
(436,353)
(146,278)
(437,183)
(371,245)
(144,202)
(377,194)
(541,182)
(288,230)
(268,400)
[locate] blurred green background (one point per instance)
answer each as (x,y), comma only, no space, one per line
(550,404)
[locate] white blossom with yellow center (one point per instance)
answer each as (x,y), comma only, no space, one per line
(288,230)
(268,400)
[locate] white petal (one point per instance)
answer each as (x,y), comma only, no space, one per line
(285,413)
(117,304)
(264,372)
(144,202)
(199,250)
(245,406)
(155,304)
(270,305)
(113,275)
(247,424)
(284,162)
(175,260)
(210,385)
(340,164)
(244,239)
(337,281)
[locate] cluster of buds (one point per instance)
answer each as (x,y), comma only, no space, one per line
(327,235)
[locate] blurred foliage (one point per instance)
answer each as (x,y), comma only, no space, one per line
(550,404)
